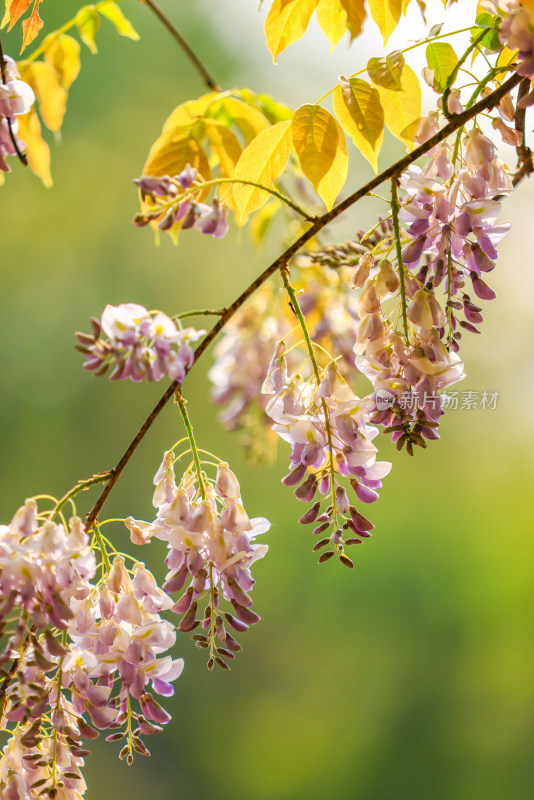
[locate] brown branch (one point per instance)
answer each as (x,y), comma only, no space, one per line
(394,171)
(524,153)
(210,82)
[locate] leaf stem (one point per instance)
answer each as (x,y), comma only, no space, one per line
(284,271)
(395,206)
(191,436)
(218,181)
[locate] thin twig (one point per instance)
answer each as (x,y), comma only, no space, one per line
(210,82)
(394,171)
(395,206)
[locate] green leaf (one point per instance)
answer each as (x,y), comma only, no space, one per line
(320,146)
(122,25)
(491,40)
(359,110)
(88,23)
(442,59)
(387,72)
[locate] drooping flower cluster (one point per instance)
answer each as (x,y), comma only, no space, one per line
(16,98)
(117,637)
(211,546)
(243,355)
(43,568)
(77,654)
(516,31)
(138,344)
(326,425)
(175,201)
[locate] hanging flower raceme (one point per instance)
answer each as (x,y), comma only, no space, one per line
(16,98)
(118,638)
(326,425)
(43,567)
(452,234)
(243,355)
(516,31)
(138,344)
(175,201)
(211,543)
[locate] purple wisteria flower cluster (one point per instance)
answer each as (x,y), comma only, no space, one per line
(86,652)
(138,344)
(174,203)
(326,425)
(16,98)
(243,354)
(211,544)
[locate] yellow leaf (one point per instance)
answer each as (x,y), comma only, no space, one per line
(319,144)
(356,13)
(88,22)
(286,22)
(386,14)
(358,109)
(31,26)
(332,19)
(330,186)
(170,153)
(37,150)
(262,220)
(529,5)
(188,112)
(225,146)
(402,108)
(506,56)
(50,94)
(122,25)
(249,120)
(263,161)
(63,54)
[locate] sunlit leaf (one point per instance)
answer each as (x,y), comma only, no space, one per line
(332,19)
(442,59)
(274,110)
(37,150)
(186,113)
(88,23)
(263,161)
(31,26)
(122,25)
(387,72)
(286,22)
(356,13)
(15,9)
(357,106)
(248,119)
(320,146)
(170,153)
(50,94)
(63,54)
(386,14)
(404,107)
(224,144)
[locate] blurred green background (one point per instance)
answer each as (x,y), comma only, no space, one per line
(412,677)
